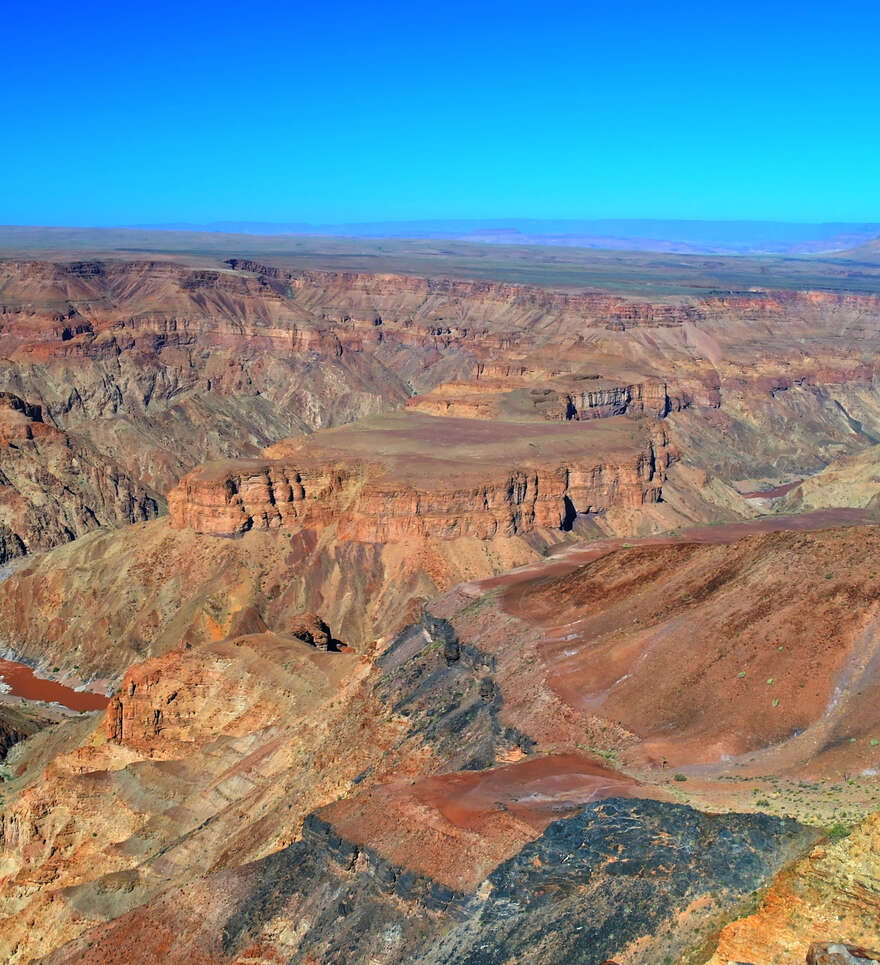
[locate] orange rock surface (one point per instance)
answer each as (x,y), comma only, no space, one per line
(410,475)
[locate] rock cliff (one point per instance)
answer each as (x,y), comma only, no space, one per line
(55,486)
(131,362)
(600,754)
(461,723)
(414,476)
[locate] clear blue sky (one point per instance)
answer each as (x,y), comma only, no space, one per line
(153,112)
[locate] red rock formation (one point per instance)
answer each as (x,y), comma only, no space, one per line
(21,422)
(162,702)
(54,486)
(135,359)
(427,825)
(518,478)
(312,629)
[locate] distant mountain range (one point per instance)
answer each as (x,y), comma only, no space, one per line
(687,237)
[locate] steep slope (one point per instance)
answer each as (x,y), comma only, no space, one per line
(831,894)
(511,719)
(849,481)
(760,653)
(411,475)
(55,486)
(628,878)
(94,607)
(459,771)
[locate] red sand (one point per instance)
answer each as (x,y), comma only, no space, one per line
(429,824)
(673,641)
(535,790)
(773,493)
(567,557)
(24,683)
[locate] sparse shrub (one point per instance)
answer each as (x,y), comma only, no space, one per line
(838,831)
(680,777)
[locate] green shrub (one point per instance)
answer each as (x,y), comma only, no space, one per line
(838,831)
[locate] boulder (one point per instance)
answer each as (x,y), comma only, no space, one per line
(310,628)
(834,953)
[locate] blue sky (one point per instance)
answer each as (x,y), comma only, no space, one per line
(154,112)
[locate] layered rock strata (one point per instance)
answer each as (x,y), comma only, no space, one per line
(132,361)
(415,477)
(643,879)
(55,486)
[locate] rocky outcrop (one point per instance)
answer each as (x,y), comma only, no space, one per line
(56,487)
(281,496)
(382,499)
(834,953)
(22,422)
(110,599)
(832,891)
(639,880)
(132,361)
(176,699)
(310,628)
(15,725)
(451,779)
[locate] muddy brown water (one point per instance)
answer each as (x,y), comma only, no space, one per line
(23,682)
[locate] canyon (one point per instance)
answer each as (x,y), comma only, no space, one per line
(434,618)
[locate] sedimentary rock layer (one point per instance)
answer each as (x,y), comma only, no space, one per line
(151,369)
(416,476)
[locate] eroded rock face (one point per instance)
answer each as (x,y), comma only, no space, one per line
(311,628)
(16,724)
(108,600)
(414,476)
(832,891)
(455,794)
(186,697)
(438,803)
(609,880)
(54,486)
(130,362)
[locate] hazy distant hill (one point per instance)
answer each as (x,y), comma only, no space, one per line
(694,237)
(650,273)
(866,254)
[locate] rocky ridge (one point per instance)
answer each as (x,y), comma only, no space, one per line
(453,782)
(382,480)
(458,724)
(133,361)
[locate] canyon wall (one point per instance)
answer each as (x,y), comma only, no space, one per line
(372,502)
(152,369)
